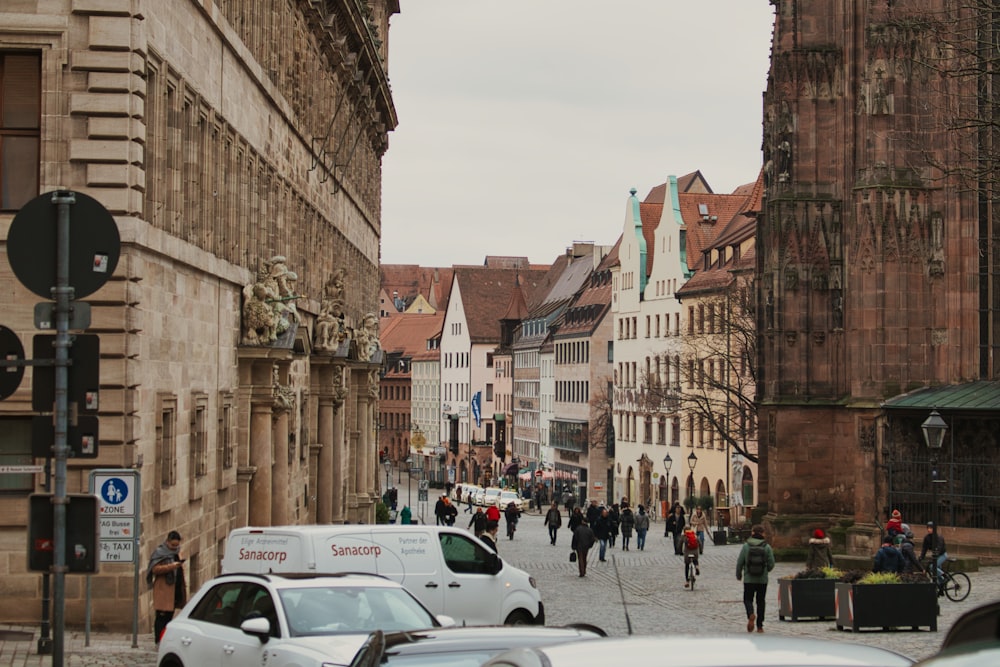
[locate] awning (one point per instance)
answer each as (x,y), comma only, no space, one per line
(510,469)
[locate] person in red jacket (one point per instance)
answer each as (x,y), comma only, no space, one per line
(493,513)
(895,525)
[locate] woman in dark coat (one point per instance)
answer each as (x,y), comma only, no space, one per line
(627,524)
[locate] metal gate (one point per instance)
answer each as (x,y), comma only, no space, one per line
(967,494)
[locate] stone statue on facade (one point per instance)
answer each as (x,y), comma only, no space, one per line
(366,338)
(330,328)
(269,303)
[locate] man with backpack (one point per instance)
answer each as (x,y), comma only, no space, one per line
(756,560)
(691,550)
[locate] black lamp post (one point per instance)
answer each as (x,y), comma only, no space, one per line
(667,462)
(409,484)
(934,428)
(387,464)
(692,462)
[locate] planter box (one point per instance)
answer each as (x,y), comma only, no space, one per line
(719,538)
(886,606)
(806,598)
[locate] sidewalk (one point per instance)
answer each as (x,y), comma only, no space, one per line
(19,648)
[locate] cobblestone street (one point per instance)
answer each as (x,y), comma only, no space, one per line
(651,583)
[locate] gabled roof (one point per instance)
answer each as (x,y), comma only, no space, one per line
(650,215)
(739,229)
(693,182)
(409,280)
(484,289)
(407,334)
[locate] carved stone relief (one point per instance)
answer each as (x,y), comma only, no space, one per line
(331,331)
(269,311)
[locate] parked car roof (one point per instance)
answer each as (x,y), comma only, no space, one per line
(703,651)
(471,646)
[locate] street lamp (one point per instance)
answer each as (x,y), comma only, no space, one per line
(934,428)
(692,462)
(409,485)
(387,464)
(667,462)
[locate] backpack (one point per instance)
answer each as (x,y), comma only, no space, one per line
(756,560)
(692,540)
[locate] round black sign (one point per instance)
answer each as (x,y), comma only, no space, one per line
(10,350)
(94,244)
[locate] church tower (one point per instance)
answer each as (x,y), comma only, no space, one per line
(870,279)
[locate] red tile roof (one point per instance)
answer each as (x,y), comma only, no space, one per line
(407,334)
(486,291)
(434,283)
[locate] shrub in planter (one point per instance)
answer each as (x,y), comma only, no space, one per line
(885,600)
(808,594)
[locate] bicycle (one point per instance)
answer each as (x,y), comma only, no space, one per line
(956,585)
(690,571)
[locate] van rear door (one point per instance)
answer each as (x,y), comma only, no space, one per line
(412,557)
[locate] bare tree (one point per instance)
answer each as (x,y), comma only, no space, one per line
(602,429)
(714,380)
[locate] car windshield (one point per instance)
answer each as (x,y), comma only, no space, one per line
(343,609)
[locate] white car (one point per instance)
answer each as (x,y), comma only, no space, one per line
(285,620)
(703,651)
(468,489)
(489,496)
(507,497)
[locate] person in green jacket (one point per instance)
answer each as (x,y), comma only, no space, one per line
(752,567)
(405,515)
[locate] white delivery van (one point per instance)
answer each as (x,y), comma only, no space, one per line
(446,568)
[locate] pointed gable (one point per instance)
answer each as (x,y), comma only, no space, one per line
(484,289)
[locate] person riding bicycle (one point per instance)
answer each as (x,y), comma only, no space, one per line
(690,549)
(934,543)
(511,513)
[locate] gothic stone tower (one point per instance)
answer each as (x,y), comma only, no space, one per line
(868,264)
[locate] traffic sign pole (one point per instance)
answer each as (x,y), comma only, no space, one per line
(63,294)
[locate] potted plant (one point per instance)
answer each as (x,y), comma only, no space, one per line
(808,594)
(886,600)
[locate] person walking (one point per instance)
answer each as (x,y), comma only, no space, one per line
(755,561)
(602,531)
(553,519)
(627,524)
(593,511)
(699,524)
(406,515)
(468,501)
(583,540)
(675,527)
(575,518)
(478,522)
(165,575)
(820,555)
(489,536)
(439,511)
(614,516)
(641,528)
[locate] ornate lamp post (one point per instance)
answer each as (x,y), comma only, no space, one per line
(934,428)
(692,462)
(667,462)
(409,485)
(387,464)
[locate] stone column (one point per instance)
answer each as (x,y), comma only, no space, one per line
(329,387)
(279,476)
(338,489)
(261,405)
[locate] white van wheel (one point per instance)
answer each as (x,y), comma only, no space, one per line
(519,617)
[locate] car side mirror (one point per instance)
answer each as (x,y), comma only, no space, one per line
(258,627)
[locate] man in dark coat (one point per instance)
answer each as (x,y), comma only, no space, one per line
(583,540)
(602,531)
(553,519)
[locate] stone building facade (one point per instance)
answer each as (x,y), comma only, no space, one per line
(238,147)
(876,262)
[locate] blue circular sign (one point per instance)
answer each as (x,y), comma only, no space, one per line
(114,491)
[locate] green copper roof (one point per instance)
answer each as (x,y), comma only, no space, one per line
(981,396)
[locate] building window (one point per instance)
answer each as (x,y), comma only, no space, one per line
(20,129)
(15,450)
(199,436)
(647,431)
(166,440)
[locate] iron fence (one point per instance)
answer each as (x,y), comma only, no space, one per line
(968,494)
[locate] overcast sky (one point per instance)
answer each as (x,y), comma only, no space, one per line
(524,123)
